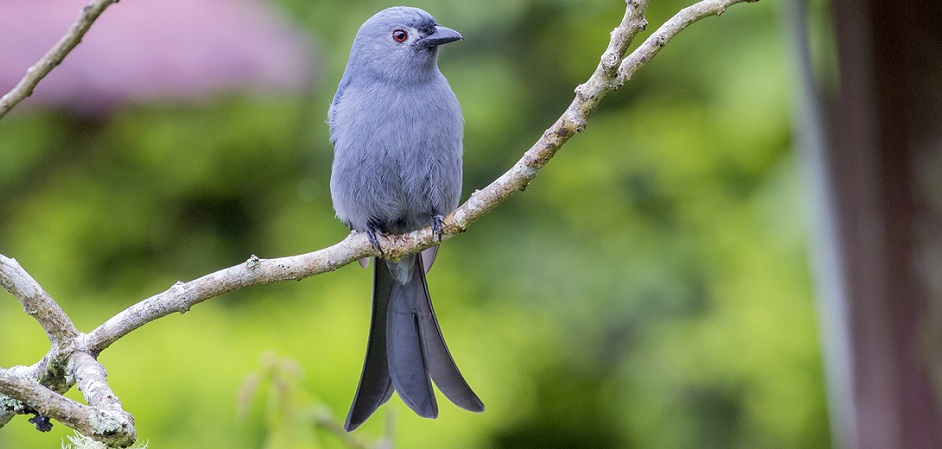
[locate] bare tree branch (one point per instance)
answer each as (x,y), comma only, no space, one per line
(104,425)
(254,271)
(653,44)
(91,378)
(36,302)
(36,389)
(54,57)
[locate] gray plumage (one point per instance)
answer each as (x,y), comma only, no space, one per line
(397,129)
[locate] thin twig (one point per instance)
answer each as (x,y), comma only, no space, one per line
(572,121)
(36,302)
(182,296)
(54,57)
(654,43)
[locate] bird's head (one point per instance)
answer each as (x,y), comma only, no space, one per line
(400,43)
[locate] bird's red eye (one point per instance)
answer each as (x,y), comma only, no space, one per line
(400,36)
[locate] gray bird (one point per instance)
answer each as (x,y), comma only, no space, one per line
(397,128)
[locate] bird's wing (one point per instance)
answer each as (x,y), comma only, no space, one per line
(332,111)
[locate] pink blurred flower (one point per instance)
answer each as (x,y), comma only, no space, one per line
(146,50)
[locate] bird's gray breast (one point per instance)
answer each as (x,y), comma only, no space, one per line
(397,154)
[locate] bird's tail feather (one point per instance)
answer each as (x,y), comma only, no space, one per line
(442,367)
(375,386)
(405,342)
(406,350)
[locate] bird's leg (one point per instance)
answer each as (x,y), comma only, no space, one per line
(371,230)
(437,230)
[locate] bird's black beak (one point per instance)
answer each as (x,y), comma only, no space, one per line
(442,35)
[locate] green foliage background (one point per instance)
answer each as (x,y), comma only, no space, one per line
(650,288)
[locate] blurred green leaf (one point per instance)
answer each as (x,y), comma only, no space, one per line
(649,289)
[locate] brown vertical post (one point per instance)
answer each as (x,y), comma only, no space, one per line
(886,166)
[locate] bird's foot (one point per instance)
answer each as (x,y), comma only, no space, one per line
(437,221)
(371,234)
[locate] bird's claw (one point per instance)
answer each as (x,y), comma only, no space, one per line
(371,231)
(437,221)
